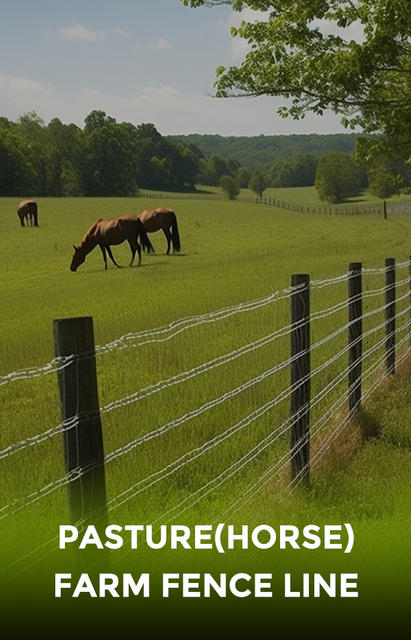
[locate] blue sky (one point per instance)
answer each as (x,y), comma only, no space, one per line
(138,60)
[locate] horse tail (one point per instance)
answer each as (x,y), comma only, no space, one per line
(145,242)
(175,236)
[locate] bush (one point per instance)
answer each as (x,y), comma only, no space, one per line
(229,186)
(338,177)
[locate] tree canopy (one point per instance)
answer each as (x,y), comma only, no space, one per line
(338,177)
(306,51)
(106,158)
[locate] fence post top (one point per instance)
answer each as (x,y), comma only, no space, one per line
(299,278)
(75,319)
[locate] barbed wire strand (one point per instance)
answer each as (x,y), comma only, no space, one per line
(60,362)
(17,505)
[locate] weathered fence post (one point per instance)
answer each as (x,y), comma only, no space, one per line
(82,438)
(354,335)
(300,378)
(390,314)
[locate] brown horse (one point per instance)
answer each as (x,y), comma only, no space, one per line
(107,232)
(27,210)
(165,219)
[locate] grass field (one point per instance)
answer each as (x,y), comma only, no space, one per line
(308,197)
(231,253)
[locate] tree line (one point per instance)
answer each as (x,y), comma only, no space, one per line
(335,175)
(105,158)
(251,151)
(108,158)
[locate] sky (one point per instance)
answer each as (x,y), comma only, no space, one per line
(138,60)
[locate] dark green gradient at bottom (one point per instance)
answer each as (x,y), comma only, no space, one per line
(381,557)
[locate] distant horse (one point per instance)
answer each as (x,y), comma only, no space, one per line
(166,220)
(107,232)
(27,210)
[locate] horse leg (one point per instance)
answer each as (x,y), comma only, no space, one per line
(111,256)
(133,250)
(167,234)
(103,251)
(139,252)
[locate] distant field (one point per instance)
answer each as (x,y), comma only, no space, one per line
(308,196)
(232,252)
(229,252)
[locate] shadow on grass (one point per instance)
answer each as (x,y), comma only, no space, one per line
(369,425)
(170,255)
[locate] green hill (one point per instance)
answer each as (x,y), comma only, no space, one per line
(253,150)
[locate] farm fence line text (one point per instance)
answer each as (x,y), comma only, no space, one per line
(222,538)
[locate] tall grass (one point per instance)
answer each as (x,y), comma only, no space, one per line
(231,252)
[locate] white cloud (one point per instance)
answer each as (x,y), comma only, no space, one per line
(78,32)
(175,111)
(21,94)
(162,44)
(168,108)
(159,92)
(122,33)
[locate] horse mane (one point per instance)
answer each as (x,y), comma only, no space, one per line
(88,240)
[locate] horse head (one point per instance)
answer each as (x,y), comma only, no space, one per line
(78,258)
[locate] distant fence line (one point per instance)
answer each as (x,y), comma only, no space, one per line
(344,209)
(399,207)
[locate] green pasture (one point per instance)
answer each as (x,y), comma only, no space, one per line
(308,197)
(232,252)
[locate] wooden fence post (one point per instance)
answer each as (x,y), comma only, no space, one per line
(354,335)
(83,439)
(390,314)
(300,378)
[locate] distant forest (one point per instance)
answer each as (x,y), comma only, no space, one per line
(254,150)
(110,158)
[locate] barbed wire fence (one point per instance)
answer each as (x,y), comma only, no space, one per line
(311,395)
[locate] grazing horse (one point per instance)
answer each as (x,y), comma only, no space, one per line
(27,210)
(107,232)
(166,220)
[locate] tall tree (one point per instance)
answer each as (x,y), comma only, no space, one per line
(16,173)
(32,130)
(258,183)
(110,157)
(338,177)
(64,149)
(230,186)
(305,51)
